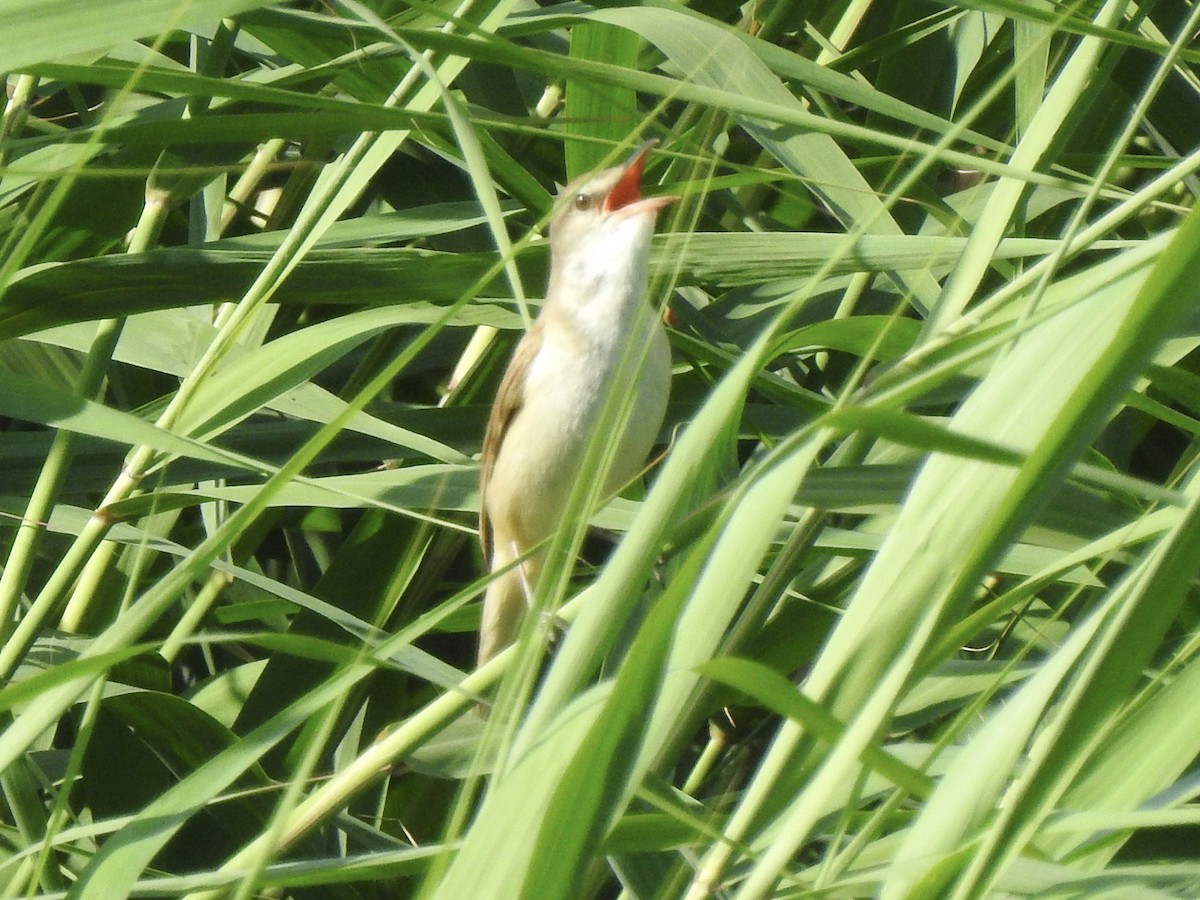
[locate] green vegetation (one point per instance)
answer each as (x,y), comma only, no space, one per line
(908,607)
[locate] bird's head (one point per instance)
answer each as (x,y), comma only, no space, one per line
(602,225)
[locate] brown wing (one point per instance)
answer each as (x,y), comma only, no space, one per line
(508,402)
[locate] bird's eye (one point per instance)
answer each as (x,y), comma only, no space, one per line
(582,202)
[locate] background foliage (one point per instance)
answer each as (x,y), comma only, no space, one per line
(909,606)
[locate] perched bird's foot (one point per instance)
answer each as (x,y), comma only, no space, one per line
(553,628)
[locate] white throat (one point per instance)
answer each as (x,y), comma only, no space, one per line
(600,283)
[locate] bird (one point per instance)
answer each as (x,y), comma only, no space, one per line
(596,337)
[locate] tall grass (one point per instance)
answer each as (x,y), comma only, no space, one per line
(908,606)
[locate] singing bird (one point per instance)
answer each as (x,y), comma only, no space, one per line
(596,337)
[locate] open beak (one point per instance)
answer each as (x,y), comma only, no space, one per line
(626,195)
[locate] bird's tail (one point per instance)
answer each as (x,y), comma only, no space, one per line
(504,607)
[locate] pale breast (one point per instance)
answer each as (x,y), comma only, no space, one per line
(544,448)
